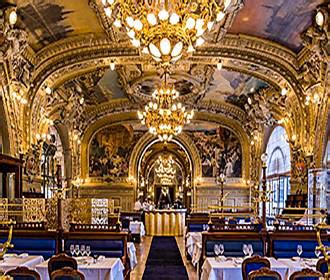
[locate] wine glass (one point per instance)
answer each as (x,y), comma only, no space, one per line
(77,250)
(82,249)
(88,250)
(72,249)
(245,250)
(317,252)
(95,258)
(216,251)
(250,250)
(299,250)
(221,249)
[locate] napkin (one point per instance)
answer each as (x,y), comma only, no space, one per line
(101,258)
(10,255)
(23,255)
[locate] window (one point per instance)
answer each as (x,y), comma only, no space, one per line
(278,170)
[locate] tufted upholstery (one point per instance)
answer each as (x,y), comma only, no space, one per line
(288,248)
(45,247)
(322,266)
(252,264)
(234,248)
(196,227)
(111,248)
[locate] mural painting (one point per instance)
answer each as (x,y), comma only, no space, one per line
(109,151)
(220,152)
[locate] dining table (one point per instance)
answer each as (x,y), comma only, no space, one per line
(227,268)
(101,269)
(194,246)
(11,261)
(131,250)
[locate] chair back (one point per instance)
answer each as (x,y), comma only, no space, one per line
(67,273)
(252,264)
(306,274)
(23,273)
(322,266)
(264,274)
(59,261)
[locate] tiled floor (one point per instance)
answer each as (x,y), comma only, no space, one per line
(142,251)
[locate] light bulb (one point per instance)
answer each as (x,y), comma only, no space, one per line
(190,49)
(112,65)
(199,23)
(130,22)
(111,2)
(219,65)
(174,19)
(220,16)
(48,90)
(136,43)
(13,17)
(200,41)
(131,34)
(177,49)
(210,25)
(154,50)
(138,25)
(190,23)
(200,32)
(145,50)
(165,46)
(108,11)
(104,2)
(319,18)
(163,15)
(152,19)
(284,91)
(117,23)
(227,4)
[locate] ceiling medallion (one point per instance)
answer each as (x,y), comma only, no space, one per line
(166,29)
(164,117)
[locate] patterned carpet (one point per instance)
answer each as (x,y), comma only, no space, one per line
(164,260)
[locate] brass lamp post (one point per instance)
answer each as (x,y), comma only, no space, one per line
(221,180)
(264,189)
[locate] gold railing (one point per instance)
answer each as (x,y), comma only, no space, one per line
(323,248)
(7,244)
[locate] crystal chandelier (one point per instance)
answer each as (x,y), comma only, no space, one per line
(164,117)
(166,29)
(165,170)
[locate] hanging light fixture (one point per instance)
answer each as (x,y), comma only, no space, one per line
(166,29)
(165,169)
(164,117)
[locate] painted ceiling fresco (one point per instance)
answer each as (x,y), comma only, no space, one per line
(50,21)
(229,85)
(278,20)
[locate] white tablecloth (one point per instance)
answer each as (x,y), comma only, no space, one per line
(137,228)
(12,262)
(131,250)
(231,269)
(194,246)
(106,269)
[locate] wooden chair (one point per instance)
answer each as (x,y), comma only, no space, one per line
(67,273)
(59,261)
(322,266)
(22,272)
(307,273)
(252,264)
(263,273)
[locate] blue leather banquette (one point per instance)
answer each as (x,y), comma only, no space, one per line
(284,244)
(34,243)
(108,244)
(233,243)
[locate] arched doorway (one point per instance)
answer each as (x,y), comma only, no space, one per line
(165,174)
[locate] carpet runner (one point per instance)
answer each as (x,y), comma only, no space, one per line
(164,260)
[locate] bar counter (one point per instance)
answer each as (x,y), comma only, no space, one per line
(169,222)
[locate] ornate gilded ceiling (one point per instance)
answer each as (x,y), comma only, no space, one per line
(68,46)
